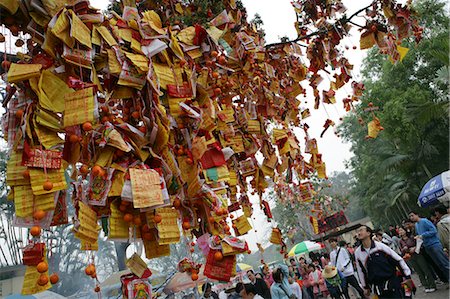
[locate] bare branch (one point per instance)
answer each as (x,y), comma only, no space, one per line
(344,20)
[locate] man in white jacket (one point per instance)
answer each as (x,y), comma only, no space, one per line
(340,258)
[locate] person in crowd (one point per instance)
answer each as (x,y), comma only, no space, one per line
(259,284)
(295,267)
(377,267)
(426,231)
(317,282)
(408,225)
(207,291)
(280,288)
(247,291)
(392,230)
(259,275)
(340,258)
(433,219)
(306,283)
(417,261)
(316,263)
(443,225)
(335,282)
(295,288)
(324,260)
(302,267)
(267,274)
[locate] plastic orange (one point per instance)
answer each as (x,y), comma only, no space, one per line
(186,225)
(177,203)
(194,276)
(90,269)
(35,231)
(97,170)
(26,174)
(54,278)
(87,126)
(222,60)
(84,169)
(218,256)
(128,217)
(48,186)
(157,218)
(39,215)
(19,113)
(42,267)
(43,280)
(147,236)
(135,114)
(137,220)
(74,138)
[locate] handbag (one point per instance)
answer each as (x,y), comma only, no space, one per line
(292,296)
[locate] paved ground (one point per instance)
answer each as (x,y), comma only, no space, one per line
(441,292)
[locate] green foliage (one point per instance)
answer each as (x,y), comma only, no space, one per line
(412,97)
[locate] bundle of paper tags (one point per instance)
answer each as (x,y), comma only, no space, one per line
(150,117)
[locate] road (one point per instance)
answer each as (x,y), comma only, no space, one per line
(441,293)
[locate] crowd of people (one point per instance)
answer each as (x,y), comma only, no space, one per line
(380,262)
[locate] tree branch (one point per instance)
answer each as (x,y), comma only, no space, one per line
(344,20)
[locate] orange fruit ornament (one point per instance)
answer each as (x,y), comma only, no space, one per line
(38,215)
(54,278)
(186,225)
(128,217)
(26,174)
(87,126)
(43,280)
(157,218)
(74,138)
(194,276)
(97,289)
(19,113)
(97,170)
(90,269)
(42,267)
(35,231)
(47,186)
(177,203)
(218,256)
(137,220)
(84,169)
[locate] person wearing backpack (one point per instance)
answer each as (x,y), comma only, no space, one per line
(341,259)
(335,281)
(377,266)
(280,289)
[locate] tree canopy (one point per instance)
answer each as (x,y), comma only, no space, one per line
(412,97)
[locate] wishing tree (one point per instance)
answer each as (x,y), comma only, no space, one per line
(154,112)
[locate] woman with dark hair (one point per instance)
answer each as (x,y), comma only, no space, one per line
(417,260)
(280,288)
(316,281)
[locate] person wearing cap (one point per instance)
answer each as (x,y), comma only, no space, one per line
(340,258)
(377,267)
(335,281)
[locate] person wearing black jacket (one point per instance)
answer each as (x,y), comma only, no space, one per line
(260,285)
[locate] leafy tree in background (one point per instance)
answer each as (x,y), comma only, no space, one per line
(412,97)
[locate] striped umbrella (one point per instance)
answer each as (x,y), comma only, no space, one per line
(305,246)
